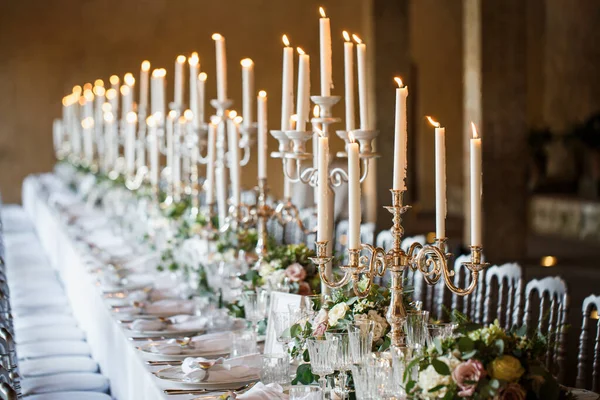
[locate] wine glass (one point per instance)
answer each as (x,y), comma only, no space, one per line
(360,338)
(255,305)
(343,357)
(283,321)
(415,326)
(322,352)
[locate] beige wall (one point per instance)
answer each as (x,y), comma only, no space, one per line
(47,47)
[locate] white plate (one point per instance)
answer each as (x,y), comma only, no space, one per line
(176,375)
(149,354)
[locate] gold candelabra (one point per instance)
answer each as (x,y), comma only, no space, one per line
(430,260)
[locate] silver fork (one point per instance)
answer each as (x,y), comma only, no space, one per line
(239,390)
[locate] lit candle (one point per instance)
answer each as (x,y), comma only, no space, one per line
(109,140)
(361,59)
(325,46)
(88,105)
(176,156)
(130,82)
(114,84)
(400,140)
(221,66)
(234,159)
(130,143)
(247,91)
(154,158)
(194,62)
(99,100)
(349,81)
(354,210)
(125,103)
(201,96)
(88,141)
(170,146)
(158,95)
(178,96)
(440,179)
(262,134)
(287,85)
(303,100)
(475,188)
(144,77)
(210,166)
(323,217)
(315,145)
(57,135)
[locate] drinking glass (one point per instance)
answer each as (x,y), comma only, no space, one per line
(321,352)
(363,376)
(243,343)
(342,360)
(302,392)
(275,369)
(401,357)
(415,326)
(360,337)
(255,305)
(441,330)
(282,322)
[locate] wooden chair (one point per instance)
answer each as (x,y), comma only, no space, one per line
(500,296)
(590,304)
(552,317)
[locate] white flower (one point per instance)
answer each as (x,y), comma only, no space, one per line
(265,269)
(276,264)
(275,279)
(337,312)
(321,317)
(429,378)
(380,324)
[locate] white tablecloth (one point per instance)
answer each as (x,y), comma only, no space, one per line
(130,378)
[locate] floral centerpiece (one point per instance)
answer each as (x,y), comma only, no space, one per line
(484,363)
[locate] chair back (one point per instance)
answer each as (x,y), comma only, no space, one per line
(551,320)
(501,295)
(384,239)
(590,304)
(7,392)
(341,239)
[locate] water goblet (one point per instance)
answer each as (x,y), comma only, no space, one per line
(243,343)
(415,326)
(321,352)
(283,322)
(343,358)
(302,392)
(360,338)
(255,305)
(275,369)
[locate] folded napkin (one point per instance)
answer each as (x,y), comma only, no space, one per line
(176,323)
(214,343)
(221,370)
(170,306)
(260,391)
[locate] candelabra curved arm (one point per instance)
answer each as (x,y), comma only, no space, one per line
(371,265)
(308,175)
(136,182)
(246,157)
(287,212)
(321,260)
(337,176)
(365,169)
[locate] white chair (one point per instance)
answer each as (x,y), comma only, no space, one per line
(39,321)
(51,348)
(66,382)
(70,396)
(53,332)
(56,365)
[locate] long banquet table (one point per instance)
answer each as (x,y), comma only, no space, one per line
(130,378)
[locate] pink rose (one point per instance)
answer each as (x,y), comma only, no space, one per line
(304,289)
(466,375)
(513,391)
(319,330)
(295,272)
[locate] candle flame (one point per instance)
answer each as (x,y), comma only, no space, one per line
(87,123)
(351,137)
(81,100)
(129,79)
(238,120)
(346,36)
(109,117)
(294,117)
(180,59)
(88,95)
(111,94)
(131,117)
(65,101)
(262,94)
(145,65)
(322,12)
(194,59)
(151,121)
(246,62)
(98,82)
(232,114)
(188,114)
(106,107)
(202,76)
(399,82)
(432,121)
(159,73)
(300,51)
(286,41)
(316,111)
(217,36)
(125,90)
(99,90)
(114,80)
(87,86)
(77,89)
(356,39)
(172,114)
(474,129)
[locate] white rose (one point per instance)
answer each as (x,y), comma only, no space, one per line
(321,317)
(429,378)
(380,324)
(276,278)
(276,264)
(337,312)
(265,269)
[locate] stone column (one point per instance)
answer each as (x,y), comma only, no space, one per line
(504,129)
(391,32)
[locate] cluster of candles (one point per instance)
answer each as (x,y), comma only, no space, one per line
(90,119)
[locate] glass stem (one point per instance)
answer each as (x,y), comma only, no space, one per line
(323,384)
(342,379)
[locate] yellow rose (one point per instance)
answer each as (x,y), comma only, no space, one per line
(507,368)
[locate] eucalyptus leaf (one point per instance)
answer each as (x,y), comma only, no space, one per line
(440,367)
(465,344)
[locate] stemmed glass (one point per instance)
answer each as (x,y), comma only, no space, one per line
(360,338)
(283,321)
(415,326)
(255,305)
(342,361)
(322,352)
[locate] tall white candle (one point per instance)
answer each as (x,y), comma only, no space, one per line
(99,100)
(194,62)
(144,77)
(158,99)
(210,166)
(129,80)
(125,103)
(349,81)
(262,134)
(475,188)
(303,100)
(323,217)
(176,156)
(201,96)
(154,157)
(234,160)
(315,145)
(325,46)
(88,140)
(57,135)
(401,136)
(440,179)
(287,85)
(130,143)
(361,59)
(247,91)
(114,84)
(354,210)
(178,95)
(109,141)
(221,66)
(170,145)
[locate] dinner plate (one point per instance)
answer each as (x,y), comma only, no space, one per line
(146,350)
(176,375)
